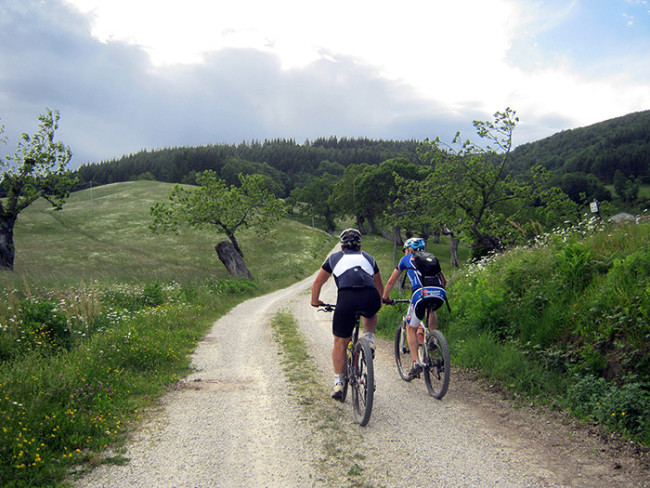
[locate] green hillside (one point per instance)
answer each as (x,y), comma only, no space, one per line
(622,143)
(100,317)
(103,234)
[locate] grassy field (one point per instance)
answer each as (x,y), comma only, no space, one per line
(103,234)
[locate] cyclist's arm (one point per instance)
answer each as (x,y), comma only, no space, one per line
(391,283)
(379,283)
(320,280)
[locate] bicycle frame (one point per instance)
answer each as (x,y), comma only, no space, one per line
(359,372)
(433,353)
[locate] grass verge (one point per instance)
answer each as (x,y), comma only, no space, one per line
(340,441)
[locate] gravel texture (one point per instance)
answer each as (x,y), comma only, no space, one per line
(236,423)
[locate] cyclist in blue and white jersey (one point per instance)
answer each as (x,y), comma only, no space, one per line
(406,264)
(360,287)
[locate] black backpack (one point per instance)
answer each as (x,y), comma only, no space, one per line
(428,267)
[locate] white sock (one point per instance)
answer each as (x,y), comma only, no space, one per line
(370,336)
(337,379)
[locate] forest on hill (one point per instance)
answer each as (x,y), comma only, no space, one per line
(285,163)
(622,144)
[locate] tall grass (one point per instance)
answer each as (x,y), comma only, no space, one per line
(100,318)
(565,321)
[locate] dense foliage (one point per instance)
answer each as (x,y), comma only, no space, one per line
(601,149)
(286,164)
(566,320)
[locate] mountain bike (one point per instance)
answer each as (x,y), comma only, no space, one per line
(433,349)
(359,372)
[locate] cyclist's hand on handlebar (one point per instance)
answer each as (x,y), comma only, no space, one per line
(388,301)
(317,304)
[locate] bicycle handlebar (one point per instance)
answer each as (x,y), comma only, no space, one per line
(394,302)
(326,307)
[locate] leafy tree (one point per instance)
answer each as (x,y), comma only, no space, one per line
(236,166)
(627,189)
(214,204)
(343,198)
(38,169)
(469,185)
(315,195)
(582,187)
(375,187)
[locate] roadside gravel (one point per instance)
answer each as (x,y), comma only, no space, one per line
(237,422)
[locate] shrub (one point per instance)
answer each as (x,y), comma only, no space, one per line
(43,327)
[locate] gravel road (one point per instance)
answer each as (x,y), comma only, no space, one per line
(236,423)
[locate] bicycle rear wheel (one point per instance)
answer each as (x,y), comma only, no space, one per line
(362,382)
(438,364)
(402,352)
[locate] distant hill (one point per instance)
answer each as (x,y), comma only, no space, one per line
(284,162)
(622,143)
(600,149)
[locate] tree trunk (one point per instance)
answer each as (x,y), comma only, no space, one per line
(360,227)
(453,248)
(7,249)
(372,228)
(232,260)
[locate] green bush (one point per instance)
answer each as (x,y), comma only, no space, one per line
(623,408)
(42,328)
(547,320)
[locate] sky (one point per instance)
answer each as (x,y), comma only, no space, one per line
(129,75)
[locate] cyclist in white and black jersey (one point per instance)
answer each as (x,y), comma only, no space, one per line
(360,288)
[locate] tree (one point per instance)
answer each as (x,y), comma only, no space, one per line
(472,193)
(374,188)
(470,184)
(214,204)
(38,169)
(343,197)
(315,195)
(627,189)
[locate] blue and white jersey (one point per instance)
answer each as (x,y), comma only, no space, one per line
(352,269)
(406,263)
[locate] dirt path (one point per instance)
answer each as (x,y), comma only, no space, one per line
(235,423)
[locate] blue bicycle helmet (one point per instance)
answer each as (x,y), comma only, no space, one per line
(415,243)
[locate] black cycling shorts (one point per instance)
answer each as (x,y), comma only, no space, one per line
(350,301)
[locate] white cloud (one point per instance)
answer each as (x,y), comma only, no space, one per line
(166,73)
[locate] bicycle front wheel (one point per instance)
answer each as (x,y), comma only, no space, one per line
(438,364)
(363,381)
(402,352)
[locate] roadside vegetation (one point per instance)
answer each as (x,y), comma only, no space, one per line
(100,318)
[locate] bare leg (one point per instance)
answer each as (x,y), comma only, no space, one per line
(433,321)
(369,323)
(412,339)
(338,353)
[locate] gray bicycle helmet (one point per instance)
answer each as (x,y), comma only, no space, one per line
(415,243)
(351,239)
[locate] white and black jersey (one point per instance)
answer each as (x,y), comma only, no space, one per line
(352,269)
